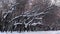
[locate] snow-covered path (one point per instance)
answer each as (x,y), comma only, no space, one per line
(42,32)
(36,32)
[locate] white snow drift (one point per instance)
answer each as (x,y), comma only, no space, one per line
(36,32)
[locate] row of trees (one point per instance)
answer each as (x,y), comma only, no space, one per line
(30,15)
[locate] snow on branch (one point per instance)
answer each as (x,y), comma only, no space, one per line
(34,24)
(38,18)
(28,23)
(17,23)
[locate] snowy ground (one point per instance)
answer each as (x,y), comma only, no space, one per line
(36,32)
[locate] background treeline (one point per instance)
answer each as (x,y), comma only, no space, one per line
(28,15)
